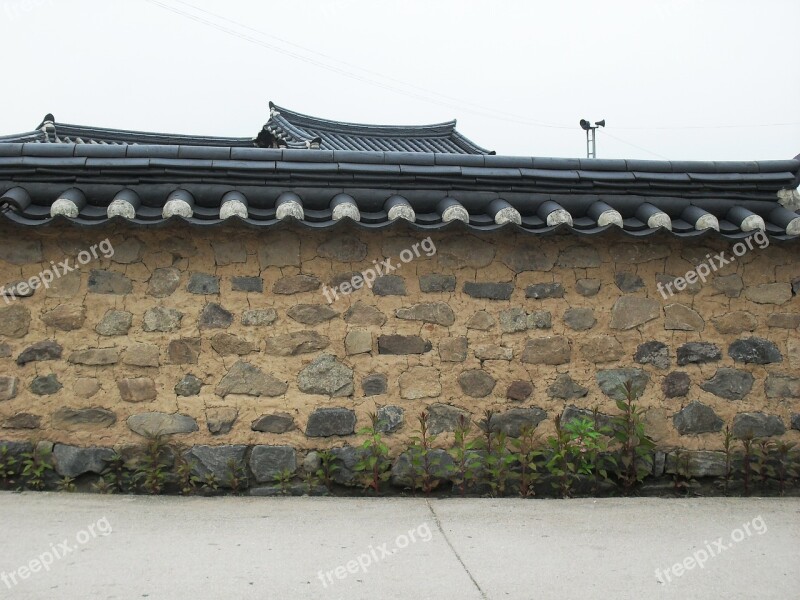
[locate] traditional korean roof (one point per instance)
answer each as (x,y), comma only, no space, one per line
(128,177)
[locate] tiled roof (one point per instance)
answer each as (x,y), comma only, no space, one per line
(284,129)
(148,185)
(294,130)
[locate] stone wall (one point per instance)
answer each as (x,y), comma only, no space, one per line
(225,337)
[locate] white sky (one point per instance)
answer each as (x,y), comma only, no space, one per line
(500,65)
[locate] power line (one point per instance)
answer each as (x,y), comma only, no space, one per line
(631,144)
(455,103)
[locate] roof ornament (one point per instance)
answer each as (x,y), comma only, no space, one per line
(124,205)
(69,204)
(452,210)
(234,204)
(180,203)
(504,213)
(554,214)
(789,199)
(398,207)
(289,205)
(343,206)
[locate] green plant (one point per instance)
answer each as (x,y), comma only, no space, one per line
(763,469)
(310,480)
(152,473)
(681,478)
(186,475)
(236,479)
(374,462)
(66,484)
(635,445)
(328,468)
(727,446)
(424,463)
(284,481)
(102,486)
(559,463)
(116,475)
(786,469)
(209,483)
(526,456)
(747,460)
(35,465)
(9,468)
(497,464)
(465,459)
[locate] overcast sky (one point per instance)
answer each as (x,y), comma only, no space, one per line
(670,77)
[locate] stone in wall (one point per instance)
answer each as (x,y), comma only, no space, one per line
(697,418)
(453,349)
(157,423)
(513,422)
(228,252)
(389,285)
(22,252)
(443,418)
(40,351)
(162,319)
(735,322)
(565,388)
(220,420)
(638,253)
(258,317)
(698,353)
(66,317)
(494,352)
(696,463)
(588,287)
(630,312)
(244,378)
(611,381)
(782,386)
(137,389)
(141,355)
(403,344)
(363,314)
(602,349)
(95,357)
(164,282)
(579,257)
(311,314)
(203,284)
(730,285)
(326,375)
(294,344)
(481,321)
(390,418)
(128,251)
(543,291)
(374,384)
(519,390)
(215,461)
(628,282)
(676,384)
(784,320)
(72,461)
(358,341)
(296,284)
(214,316)
(755,350)
(115,322)
(438,313)
(82,419)
(731,384)
(279,422)
(465,251)
(248,285)
(437,283)
(109,282)
(343,248)
(266,462)
(579,319)
(541,257)
(420,382)
(45,385)
(653,353)
(553,350)
(488,291)
(188,386)
(185,351)
(327,422)
(769,293)
(757,425)
(23,421)
(476,383)
(682,318)
(227,344)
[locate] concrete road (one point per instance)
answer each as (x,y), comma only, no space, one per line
(69,546)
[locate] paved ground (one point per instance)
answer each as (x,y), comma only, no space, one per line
(241,548)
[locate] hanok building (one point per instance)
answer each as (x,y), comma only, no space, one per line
(263,295)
